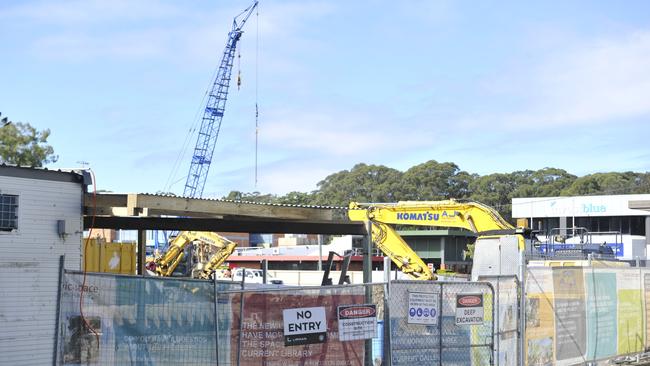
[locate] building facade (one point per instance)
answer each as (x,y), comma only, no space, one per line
(40,220)
(606,216)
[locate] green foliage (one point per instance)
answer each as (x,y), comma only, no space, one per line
(363,183)
(22,144)
(435,181)
(432,181)
(610,183)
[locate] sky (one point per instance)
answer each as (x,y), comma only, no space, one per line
(491,86)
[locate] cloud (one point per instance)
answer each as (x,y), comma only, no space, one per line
(120,29)
(91,12)
(598,81)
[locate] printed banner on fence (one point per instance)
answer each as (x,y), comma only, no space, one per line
(135,320)
(601,314)
(570,327)
(263,330)
(630,312)
(540,320)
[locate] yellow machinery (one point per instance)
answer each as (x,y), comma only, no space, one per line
(223,248)
(473,216)
(100,256)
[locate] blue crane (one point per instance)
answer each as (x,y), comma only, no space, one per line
(212,117)
(214,109)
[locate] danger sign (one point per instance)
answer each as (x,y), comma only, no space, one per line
(304,326)
(357,322)
(469,309)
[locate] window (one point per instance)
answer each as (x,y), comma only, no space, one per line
(8,212)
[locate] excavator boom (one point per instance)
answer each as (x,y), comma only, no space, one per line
(472,216)
(167,263)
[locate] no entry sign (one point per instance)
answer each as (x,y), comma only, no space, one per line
(304,326)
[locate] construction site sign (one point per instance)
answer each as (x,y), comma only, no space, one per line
(469,309)
(304,326)
(423,308)
(357,322)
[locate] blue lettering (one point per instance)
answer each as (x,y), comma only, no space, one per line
(591,208)
(436,216)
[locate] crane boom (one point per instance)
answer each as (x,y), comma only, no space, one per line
(214,110)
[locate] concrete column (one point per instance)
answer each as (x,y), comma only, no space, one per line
(563,225)
(647,230)
(142,251)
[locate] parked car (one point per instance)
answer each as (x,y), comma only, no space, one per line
(254,276)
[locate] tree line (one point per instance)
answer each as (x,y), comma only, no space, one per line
(433,181)
(22,144)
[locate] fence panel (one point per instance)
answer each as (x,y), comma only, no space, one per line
(578,315)
(317,326)
(438,323)
(506,319)
(127,320)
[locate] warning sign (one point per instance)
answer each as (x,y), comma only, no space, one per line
(469,309)
(423,308)
(304,326)
(357,322)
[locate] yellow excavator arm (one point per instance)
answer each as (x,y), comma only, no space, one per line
(167,263)
(469,215)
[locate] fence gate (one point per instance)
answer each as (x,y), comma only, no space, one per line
(441,323)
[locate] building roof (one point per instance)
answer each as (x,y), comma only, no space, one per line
(640,205)
(59,175)
(143,211)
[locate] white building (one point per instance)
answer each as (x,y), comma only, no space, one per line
(609,218)
(40,220)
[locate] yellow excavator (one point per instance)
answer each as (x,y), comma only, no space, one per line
(476,217)
(167,263)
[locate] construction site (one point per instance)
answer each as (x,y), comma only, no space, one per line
(92,277)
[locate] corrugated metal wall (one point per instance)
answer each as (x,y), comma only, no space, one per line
(29,263)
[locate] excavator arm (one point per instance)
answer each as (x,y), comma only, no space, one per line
(472,216)
(167,263)
(225,248)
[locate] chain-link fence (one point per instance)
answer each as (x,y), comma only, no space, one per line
(332,325)
(126,320)
(441,323)
(107,319)
(506,318)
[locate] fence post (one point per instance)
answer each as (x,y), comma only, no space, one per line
(388,358)
(241,314)
(522,306)
(216,320)
(442,313)
(367,278)
(55,355)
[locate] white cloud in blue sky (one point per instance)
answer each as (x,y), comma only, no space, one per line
(493,87)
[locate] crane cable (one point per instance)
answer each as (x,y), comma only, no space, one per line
(257,111)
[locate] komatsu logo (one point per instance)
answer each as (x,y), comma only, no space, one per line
(426,216)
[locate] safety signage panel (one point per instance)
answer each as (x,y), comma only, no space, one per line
(423,308)
(469,309)
(357,322)
(304,326)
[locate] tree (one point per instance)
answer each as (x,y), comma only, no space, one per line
(22,144)
(363,183)
(609,183)
(297,198)
(436,181)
